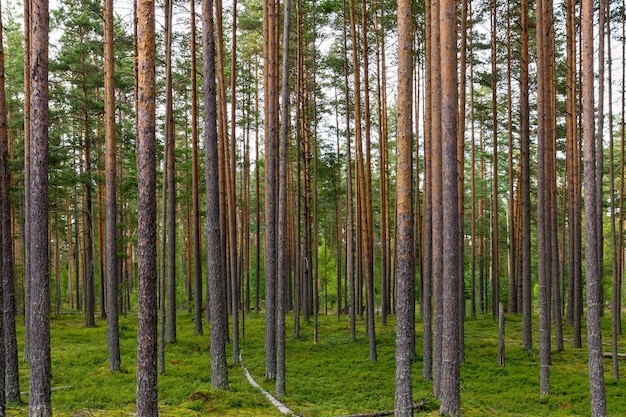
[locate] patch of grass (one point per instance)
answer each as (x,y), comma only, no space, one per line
(334,377)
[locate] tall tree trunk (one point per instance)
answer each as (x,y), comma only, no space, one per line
(543,195)
(113,343)
(170,140)
(368,231)
(147,401)
(281,289)
(495,196)
(404,216)
(257,181)
(427,223)
(88,257)
(27,164)
(8,344)
(450,390)
(270,20)
(460,150)
(232,197)
(616,250)
(215,273)
(40,363)
(525,277)
(437,194)
(195,181)
(350,274)
(512,299)
(10,364)
(592,212)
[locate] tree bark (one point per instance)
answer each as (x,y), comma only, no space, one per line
(195,181)
(593,267)
(112,296)
(527,311)
(281,287)
(270,20)
(404,216)
(147,401)
(450,390)
(170,140)
(217,295)
(39,351)
(10,365)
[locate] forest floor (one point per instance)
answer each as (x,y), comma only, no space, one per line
(331,378)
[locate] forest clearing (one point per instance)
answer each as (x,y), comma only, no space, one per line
(332,378)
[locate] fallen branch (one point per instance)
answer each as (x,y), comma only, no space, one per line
(610,355)
(417,406)
(275,402)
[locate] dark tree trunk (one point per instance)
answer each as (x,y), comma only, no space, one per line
(281,287)
(450,390)
(217,295)
(170,140)
(6,250)
(593,267)
(10,365)
(40,363)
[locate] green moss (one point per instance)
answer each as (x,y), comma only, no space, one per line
(331,378)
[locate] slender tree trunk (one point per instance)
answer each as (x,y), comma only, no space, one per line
(195,181)
(437,194)
(512,304)
(232,191)
(460,150)
(495,240)
(350,273)
(527,311)
(543,197)
(217,295)
(368,232)
(427,245)
(617,254)
(170,140)
(282,210)
(593,267)
(10,363)
(113,343)
(8,344)
(27,165)
(270,20)
(88,254)
(404,216)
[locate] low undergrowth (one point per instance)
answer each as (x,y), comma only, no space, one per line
(331,378)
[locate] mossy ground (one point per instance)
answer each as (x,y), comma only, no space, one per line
(332,378)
